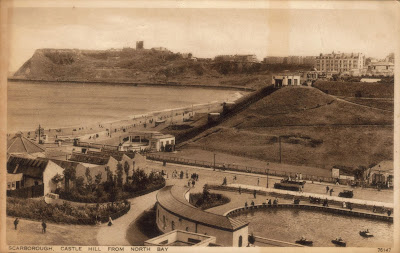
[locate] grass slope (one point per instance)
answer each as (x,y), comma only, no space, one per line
(316,129)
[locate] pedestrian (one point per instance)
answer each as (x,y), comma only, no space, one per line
(252,203)
(44,226)
(240,190)
(389,212)
(255,194)
(300,176)
(327,189)
(193,183)
(258,181)
(16,221)
(276,200)
(269,202)
(374,209)
(224,182)
(330,192)
(110,222)
(245,204)
(189,183)
(344,204)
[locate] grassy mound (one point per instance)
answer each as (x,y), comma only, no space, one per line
(316,129)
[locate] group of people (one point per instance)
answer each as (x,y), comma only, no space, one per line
(382,210)
(44,225)
(298,176)
(329,190)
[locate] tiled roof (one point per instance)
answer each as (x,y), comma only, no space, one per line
(20,144)
(172,198)
(88,158)
(65,164)
(27,166)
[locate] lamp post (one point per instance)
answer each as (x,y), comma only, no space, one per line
(267,178)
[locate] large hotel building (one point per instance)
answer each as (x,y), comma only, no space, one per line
(334,63)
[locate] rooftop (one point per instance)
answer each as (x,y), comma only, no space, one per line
(21,144)
(27,166)
(89,158)
(384,167)
(172,198)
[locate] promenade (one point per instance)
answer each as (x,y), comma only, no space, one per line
(29,232)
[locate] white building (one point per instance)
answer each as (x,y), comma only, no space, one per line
(175,213)
(286,80)
(34,172)
(335,63)
(381,68)
(151,140)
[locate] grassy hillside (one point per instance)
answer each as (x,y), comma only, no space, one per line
(316,129)
(356,89)
(144,66)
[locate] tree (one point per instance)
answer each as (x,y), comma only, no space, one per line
(97,179)
(89,178)
(126,169)
(79,183)
(120,173)
(69,174)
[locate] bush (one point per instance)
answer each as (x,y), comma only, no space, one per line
(66,213)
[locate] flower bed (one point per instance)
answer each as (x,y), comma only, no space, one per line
(212,200)
(105,197)
(35,209)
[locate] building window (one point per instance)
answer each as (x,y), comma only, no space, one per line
(172,225)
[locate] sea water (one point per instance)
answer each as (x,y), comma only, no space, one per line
(56,105)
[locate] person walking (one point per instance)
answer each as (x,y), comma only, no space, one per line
(327,189)
(331,191)
(193,183)
(240,190)
(245,204)
(252,203)
(255,194)
(258,181)
(44,226)
(110,222)
(16,221)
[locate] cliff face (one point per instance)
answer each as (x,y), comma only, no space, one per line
(130,65)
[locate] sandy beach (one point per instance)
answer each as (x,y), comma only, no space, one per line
(98,132)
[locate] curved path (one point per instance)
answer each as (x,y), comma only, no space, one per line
(116,234)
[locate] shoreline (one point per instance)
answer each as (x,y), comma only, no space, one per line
(132,121)
(137,84)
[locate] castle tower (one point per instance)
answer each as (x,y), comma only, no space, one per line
(139,45)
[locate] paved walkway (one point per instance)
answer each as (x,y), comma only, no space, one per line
(116,234)
(238,200)
(216,177)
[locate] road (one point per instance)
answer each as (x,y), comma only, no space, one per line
(29,232)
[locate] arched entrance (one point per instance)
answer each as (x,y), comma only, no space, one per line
(240,241)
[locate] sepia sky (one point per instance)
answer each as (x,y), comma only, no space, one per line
(203,32)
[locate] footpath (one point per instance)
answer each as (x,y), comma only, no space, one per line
(116,234)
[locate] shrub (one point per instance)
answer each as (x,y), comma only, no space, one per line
(66,213)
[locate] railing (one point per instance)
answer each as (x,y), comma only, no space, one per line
(313,207)
(238,168)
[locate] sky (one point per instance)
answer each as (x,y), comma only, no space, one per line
(203,32)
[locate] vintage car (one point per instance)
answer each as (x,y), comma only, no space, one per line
(346,194)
